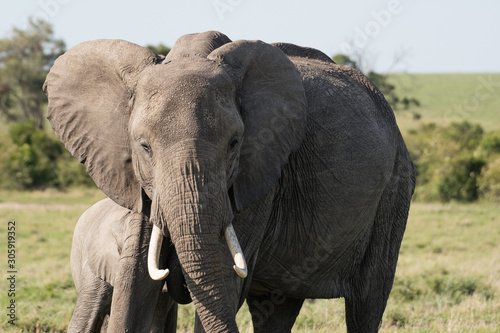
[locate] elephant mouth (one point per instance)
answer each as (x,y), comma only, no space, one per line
(176,282)
(174,276)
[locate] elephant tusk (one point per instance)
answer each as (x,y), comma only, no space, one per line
(234,246)
(154,255)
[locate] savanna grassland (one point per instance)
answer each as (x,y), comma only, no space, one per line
(448,276)
(446,98)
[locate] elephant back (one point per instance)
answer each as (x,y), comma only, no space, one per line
(292,50)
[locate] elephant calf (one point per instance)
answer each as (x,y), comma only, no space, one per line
(99,244)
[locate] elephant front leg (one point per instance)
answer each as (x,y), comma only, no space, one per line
(92,305)
(135,293)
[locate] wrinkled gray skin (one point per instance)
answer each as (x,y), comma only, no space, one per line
(98,252)
(303,156)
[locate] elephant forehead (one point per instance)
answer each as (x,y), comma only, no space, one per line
(181,85)
(195,77)
(190,99)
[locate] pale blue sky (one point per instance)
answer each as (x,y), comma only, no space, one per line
(433,35)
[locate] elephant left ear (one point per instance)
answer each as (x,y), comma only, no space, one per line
(273,109)
(89,91)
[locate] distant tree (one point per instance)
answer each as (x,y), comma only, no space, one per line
(342,59)
(381,81)
(25,59)
(161,49)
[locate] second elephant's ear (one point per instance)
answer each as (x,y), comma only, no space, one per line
(273,109)
(89,90)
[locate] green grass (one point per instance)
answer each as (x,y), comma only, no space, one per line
(449,98)
(45,293)
(447,277)
(80,196)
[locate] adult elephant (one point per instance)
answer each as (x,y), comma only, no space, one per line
(107,237)
(301,156)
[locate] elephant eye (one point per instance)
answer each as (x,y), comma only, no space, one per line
(146,147)
(234,143)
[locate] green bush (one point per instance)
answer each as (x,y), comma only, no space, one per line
(31,159)
(460,181)
(32,164)
(421,144)
(490,144)
(455,162)
(466,135)
(7,148)
(489,182)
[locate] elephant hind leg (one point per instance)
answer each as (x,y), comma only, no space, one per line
(371,286)
(273,312)
(92,305)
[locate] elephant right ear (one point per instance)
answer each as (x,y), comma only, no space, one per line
(90,89)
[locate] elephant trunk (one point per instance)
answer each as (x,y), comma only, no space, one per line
(195,211)
(201,261)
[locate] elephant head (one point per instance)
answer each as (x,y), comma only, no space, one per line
(196,135)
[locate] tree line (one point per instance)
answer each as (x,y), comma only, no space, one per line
(454,162)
